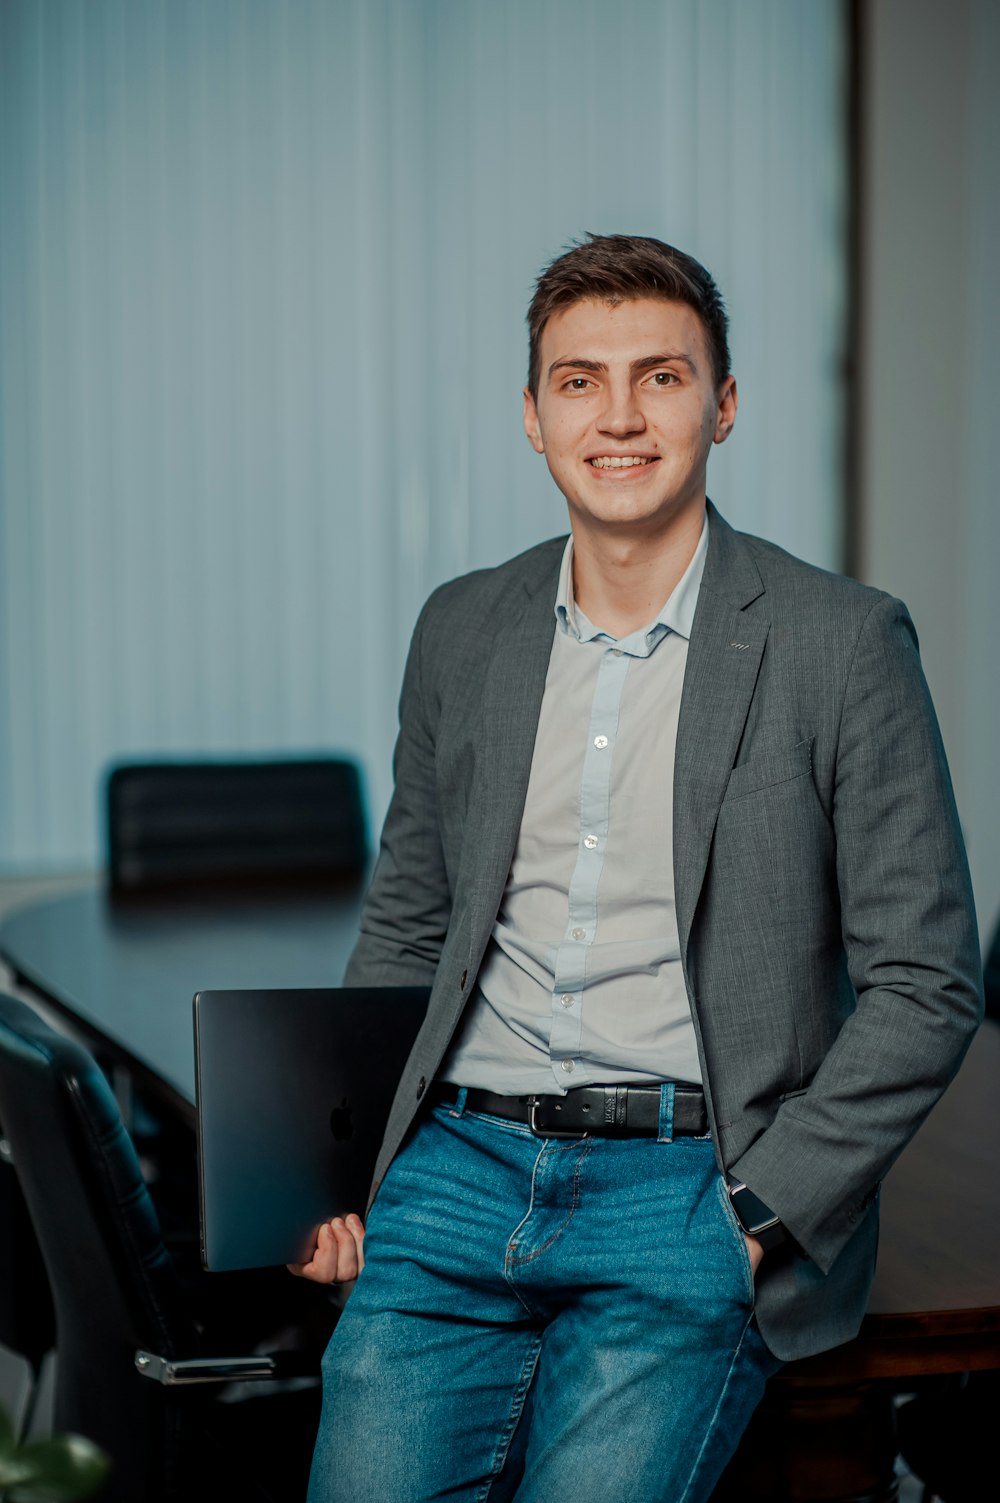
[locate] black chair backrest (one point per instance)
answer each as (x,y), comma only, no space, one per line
(174,824)
(113,1283)
(27,1319)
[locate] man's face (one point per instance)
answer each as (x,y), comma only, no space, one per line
(627,412)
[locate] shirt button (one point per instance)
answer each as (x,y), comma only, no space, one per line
(590,841)
(616,652)
(569,1065)
(567,1001)
(600,742)
(579,934)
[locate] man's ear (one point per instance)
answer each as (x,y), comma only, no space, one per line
(532,426)
(725,413)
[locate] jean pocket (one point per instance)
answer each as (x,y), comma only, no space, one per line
(737,1233)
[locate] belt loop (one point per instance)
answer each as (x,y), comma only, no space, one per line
(665,1132)
(458,1110)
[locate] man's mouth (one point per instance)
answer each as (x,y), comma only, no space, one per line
(620,461)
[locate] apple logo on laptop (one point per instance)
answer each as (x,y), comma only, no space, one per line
(341,1124)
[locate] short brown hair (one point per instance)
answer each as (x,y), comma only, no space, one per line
(618,269)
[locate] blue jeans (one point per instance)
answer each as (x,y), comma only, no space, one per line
(541,1319)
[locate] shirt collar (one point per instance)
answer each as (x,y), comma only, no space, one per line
(676,615)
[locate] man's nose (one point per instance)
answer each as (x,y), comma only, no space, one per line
(622,413)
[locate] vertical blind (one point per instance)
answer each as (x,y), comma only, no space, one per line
(263,274)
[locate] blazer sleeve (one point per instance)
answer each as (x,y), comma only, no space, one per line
(406,912)
(912,951)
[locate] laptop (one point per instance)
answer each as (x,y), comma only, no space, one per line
(293,1094)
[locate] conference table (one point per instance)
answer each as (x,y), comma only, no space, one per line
(122,974)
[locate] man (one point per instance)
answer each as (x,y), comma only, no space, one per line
(673,841)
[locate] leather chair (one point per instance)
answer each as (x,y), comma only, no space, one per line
(133,1371)
(27,1319)
(174,828)
(173,825)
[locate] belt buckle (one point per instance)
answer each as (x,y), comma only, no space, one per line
(548,1132)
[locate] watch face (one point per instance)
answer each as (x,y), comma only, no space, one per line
(753,1215)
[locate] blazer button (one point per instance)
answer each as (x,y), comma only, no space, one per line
(421,1087)
(465,977)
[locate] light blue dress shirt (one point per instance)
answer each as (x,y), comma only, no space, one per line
(581,983)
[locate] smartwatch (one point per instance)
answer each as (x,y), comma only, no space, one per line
(756,1218)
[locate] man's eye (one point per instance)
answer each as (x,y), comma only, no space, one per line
(663,378)
(577,383)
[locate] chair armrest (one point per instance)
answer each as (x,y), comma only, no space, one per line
(175,1372)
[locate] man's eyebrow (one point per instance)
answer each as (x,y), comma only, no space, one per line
(672,357)
(572,363)
(646,363)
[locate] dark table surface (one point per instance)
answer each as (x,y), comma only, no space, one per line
(127,972)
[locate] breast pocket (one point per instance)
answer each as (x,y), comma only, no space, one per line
(769,768)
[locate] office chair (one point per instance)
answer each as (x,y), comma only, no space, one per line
(133,1372)
(27,1319)
(174,828)
(173,825)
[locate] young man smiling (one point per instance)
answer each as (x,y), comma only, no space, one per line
(673,841)
(626,414)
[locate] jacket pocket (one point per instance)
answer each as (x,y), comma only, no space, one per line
(769,769)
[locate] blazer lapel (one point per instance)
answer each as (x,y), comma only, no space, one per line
(511,702)
(724,656)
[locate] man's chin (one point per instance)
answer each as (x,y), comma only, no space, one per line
(633,515)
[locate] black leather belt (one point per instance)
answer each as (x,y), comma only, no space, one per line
(596,1111)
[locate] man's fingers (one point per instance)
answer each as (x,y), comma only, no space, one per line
(348,1234)
(322,1266)
(338,1257)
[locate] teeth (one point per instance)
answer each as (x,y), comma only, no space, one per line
(618,461)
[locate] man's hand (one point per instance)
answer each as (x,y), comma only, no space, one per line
(756,1253)
(338,1256)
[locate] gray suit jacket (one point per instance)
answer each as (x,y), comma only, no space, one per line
(823,899)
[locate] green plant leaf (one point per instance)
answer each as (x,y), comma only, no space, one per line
(62,1469)
(13,1470)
